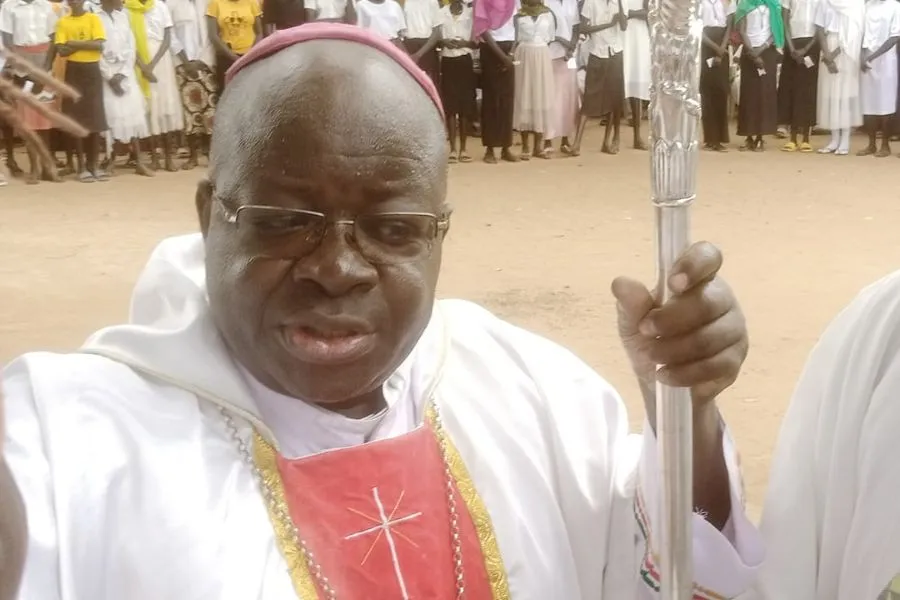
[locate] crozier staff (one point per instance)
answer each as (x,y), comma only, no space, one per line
(316,422)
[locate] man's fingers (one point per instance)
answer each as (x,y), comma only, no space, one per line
(697,345)
(697,307)
(698,264)
(634,301)
(720,370)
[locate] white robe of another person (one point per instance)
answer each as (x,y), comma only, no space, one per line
(136,491)
(831,520)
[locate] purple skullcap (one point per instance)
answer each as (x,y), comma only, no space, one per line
(336,31)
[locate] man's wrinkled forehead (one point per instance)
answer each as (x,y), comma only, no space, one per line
(324,98)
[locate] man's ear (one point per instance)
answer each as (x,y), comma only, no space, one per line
(203,200)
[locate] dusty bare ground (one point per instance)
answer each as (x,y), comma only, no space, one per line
(538,243)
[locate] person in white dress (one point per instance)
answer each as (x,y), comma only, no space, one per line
(839,29)
(830,514)
(384,18)
(535,26)
(636,62)
(266,427)
(878,82)
(567,98)
(151,23)
(125,105)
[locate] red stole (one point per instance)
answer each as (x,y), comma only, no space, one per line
(377,520)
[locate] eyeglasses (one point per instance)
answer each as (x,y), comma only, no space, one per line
(387,238)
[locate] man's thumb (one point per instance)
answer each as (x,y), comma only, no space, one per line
(634,301)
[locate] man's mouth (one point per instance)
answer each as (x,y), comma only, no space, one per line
(328,344)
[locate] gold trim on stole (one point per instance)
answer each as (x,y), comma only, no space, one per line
(264,457)
(487,539)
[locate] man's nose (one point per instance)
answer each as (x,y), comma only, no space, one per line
(337,265)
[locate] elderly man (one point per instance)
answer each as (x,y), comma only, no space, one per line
(289,412)
(830,518)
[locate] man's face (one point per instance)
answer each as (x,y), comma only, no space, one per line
(331,326)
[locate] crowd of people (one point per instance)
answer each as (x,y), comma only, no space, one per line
(150,71)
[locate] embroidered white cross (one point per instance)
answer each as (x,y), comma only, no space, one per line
(385,525)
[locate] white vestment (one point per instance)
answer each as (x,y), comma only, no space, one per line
(878,85)
(830,519)
(136,491)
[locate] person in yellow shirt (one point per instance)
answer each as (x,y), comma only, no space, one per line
(79,38)
(234,27)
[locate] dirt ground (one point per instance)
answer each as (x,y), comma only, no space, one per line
(538,243)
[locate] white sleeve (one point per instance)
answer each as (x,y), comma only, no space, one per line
(31,467)
(725,563)
(6,18)
(52,19)
(895,25)
(167,16)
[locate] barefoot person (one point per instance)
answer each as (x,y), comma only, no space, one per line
(715,72)
(458,76)
(123,102)
(762,32)
(878,82)
(288,374)
(798,83)
(604,85)
(839,29)
(80,38)
(838,452)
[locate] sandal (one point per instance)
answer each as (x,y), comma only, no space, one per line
(87,177)
(452,159)
(805,147)
(464,158)
(789,147)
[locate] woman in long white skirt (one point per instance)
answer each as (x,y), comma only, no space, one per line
(152,25)
(839,27)
(534,99)
(123,102)
(637,63)
(566,97)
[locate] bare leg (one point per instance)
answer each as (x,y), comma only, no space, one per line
(871,124)
(193,142)
(885,149)
(168,140)
(636,121)
(576,150)
(463,137)
(451,132)
(9,142)
(539,150)
(526,149)
(153,141)
(139,167)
